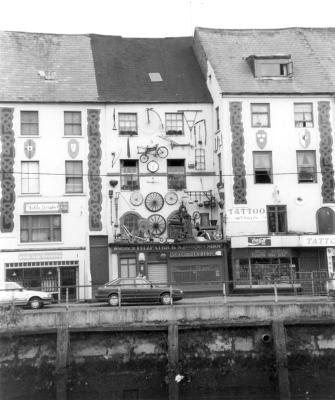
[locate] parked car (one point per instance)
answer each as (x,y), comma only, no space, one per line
(13,293)
(136,290)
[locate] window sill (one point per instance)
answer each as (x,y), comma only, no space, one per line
(29,136)
(29,195)
(75,194)
(38,243)
(73,136)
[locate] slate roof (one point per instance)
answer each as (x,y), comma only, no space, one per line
(95,68)
(67,58)
(312,51)
(122,66)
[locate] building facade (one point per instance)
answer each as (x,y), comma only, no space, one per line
(274,151)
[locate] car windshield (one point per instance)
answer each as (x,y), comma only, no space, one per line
(12,285)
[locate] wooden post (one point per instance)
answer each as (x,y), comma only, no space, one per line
(173,356)
(63,341)
(279,341)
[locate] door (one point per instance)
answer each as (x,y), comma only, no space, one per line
(157,273)
(99,259)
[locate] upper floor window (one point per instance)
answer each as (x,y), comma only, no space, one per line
(30,179)
(73,176)
(325,217)
(128,124)
(277,219)
(40,228)
(263,166)
(306,164)
(29,123)
(303,115)
(176,174)
(129,175)
(272,66)
(174,123)
(217,114)
(131,221)
(200,159)
(260,115)
(72,123)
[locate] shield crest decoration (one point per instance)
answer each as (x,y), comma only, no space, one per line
(29,148)
(305,138)
(73,148)
(261,139)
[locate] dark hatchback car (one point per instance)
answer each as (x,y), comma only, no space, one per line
(136,290)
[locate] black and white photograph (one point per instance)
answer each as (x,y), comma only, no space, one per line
(167,200)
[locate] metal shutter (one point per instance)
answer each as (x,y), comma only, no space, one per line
(157,273)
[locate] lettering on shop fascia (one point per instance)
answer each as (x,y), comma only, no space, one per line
(40,256)
(320,241)
(166,247)
(61,207)
(195,253)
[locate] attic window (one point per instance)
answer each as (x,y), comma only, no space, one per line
(155,77)
(271,67)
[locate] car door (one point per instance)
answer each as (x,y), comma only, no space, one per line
(144,290)
(128,290)
(16,293)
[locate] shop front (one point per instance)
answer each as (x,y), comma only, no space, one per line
(58,272)
(193,266)
(291,262)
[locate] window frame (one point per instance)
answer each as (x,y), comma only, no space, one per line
(76,177)
(134,176)
(217,115)
(314,174)
(304,121)
(170,175)
(72,124)
(267,113)
(200,159)
(30,176)
(254,154)
(276,210)
(176,132)
(52,228)
(128,132)
(29,123)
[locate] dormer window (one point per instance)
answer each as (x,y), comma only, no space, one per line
(271,67)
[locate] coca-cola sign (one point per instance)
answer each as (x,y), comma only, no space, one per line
(259,241)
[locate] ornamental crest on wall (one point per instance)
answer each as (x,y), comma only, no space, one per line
(73,148)
(29,148)
(261,139)
(305,138)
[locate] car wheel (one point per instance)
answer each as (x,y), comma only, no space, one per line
(35,303)
(166,299)
(113,300)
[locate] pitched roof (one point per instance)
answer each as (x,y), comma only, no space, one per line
(37,67)
(312,51)
(27,59)
(123,65)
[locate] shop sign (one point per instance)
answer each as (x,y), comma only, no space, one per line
(259,241)
(59,207)
(317,240)
(270,253)
(147,247)
(195,253)
(40,256)
(246,214)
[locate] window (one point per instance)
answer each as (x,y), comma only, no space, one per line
(306,164)
(217,113)
(128,267)
(325,217)
(200,159)
(303,115)
(130,220)
(275,69)
(30,178)
(40,228)
(129,175)
(72,123)
(127,124)
(73,176)
(174,123)
(29,123)
(263,166)
(260,115)
(277,219)
(176,174)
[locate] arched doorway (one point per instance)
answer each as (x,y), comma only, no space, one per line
(325,219)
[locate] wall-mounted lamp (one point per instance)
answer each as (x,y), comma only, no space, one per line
(141,258)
